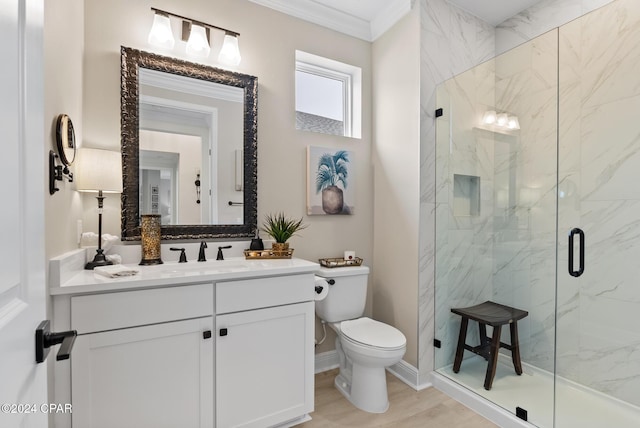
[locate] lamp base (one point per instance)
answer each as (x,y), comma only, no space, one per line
(98,260)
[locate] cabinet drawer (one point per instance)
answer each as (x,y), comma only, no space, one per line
(234,296)
(110,311)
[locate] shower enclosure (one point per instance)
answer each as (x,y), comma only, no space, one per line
(538,208)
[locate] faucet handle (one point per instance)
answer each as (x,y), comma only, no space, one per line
(220,255)
(183,256)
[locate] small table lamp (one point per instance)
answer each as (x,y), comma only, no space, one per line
(98,171)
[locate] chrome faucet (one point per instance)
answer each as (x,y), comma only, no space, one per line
(201,255)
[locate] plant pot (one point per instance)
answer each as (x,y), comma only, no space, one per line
(332,200)
(280,247)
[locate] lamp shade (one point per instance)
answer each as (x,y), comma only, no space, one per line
(97,170)
(161,34)
(230,52)
(198,43)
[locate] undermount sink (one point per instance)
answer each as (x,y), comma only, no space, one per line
(208,266)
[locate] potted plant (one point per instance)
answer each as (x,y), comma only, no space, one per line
(332,171)
(281,228)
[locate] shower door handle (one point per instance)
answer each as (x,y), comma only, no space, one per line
(576,231)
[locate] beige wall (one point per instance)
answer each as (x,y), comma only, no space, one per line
(268,42)
(396,163)
(63,46)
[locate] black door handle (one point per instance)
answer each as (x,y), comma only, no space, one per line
(576,231)
(46,339)
(223,332)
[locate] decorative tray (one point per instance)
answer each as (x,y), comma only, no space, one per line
(340,262)
(268,254)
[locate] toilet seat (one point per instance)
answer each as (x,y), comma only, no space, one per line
(367,332)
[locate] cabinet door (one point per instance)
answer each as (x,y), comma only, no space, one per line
(264,366)
(153,376)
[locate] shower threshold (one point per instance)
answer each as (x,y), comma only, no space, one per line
(577,405)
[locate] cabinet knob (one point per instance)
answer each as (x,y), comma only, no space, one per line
(206,334)
(223,332)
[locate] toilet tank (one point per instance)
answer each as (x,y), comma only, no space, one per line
(347,296)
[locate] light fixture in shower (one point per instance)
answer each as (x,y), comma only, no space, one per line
(500,121)
(196,34)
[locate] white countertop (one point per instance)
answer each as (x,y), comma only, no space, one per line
(174,273)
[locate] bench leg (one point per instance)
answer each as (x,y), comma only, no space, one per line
(493,358)
(515,348)
(462,337)
(484,343)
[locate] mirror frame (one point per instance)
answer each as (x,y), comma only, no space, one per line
(131,61)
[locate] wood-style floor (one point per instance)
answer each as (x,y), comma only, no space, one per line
(428,408)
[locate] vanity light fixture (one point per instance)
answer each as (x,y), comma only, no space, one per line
(99,171)
(497,121)
(197,34)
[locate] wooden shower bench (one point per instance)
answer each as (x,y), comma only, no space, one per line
(495,315)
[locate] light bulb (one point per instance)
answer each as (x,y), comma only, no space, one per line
(489,117)
(230,52)
(513,123)
(198,44)
(502,119)
(160,33)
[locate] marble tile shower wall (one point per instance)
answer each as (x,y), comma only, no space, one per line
(506,251)
(525,183)
(452,41)
(464,216)
(598,324)
(540,18)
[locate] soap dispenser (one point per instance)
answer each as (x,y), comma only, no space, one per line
(256,243)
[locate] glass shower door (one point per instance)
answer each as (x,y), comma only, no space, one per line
(598,321)
(496,178)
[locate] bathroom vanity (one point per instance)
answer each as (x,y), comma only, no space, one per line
(214,344)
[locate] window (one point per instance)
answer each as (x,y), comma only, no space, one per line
(328,96)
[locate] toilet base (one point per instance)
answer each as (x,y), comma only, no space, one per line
(368,392)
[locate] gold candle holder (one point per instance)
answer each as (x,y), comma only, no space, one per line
(151,236)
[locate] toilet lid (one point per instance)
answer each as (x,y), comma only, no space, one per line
(373,333)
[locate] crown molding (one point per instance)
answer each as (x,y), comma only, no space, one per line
(328,17)
(387,17)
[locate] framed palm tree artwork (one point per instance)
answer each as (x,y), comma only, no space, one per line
(330,181)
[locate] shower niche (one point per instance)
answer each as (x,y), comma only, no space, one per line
(466,195)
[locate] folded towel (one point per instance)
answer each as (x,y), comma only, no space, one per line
(115,271)
(90,240)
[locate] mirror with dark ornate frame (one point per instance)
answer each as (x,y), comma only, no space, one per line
(132,61)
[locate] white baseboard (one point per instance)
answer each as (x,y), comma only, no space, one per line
(404,371)
(326,361)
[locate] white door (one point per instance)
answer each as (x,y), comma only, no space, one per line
(22,257)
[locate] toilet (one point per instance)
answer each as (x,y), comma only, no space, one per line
(365,347)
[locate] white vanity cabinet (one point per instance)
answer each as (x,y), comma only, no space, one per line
(144,359)
(264,351)
(218,344)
